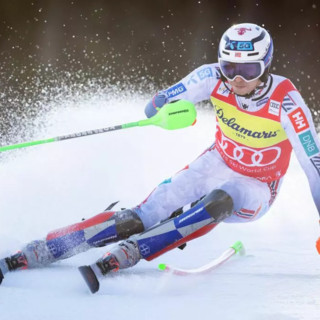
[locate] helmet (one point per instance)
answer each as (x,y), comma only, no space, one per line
(245,50)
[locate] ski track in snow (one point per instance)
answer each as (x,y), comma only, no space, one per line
(53,185)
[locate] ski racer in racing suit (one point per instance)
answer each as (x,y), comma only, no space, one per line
(260,118)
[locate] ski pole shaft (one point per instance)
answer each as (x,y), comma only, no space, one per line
(237,247)
(177,115)
(65,137)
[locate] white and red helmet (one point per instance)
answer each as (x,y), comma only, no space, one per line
(245,50)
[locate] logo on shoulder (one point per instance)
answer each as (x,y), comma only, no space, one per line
(176,90)
(308,143)
(299,120)
(274,107)
(192,80)
(205,73)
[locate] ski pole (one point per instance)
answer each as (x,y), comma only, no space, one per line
(237,247)
(175,115)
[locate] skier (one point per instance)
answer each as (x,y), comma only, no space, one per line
(260,117)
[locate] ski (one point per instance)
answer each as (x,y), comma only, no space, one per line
(225,256)
(90,278)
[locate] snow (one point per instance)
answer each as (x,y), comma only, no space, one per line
(53,185)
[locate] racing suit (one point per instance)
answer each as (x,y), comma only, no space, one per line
(237,178)
(254,138)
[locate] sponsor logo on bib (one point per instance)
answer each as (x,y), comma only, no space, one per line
(274,107)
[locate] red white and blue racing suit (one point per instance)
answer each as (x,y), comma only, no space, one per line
(254,139)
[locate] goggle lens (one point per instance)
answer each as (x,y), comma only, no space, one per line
(249,71)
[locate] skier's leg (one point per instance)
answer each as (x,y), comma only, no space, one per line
(252,198)
(186,187)
(194,181)
(241,199)
(195,222)
(97,231)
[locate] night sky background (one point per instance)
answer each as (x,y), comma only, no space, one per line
(140,45)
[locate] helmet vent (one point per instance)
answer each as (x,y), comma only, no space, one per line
(253,54)
(225,52)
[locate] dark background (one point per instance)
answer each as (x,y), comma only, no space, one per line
(139,45)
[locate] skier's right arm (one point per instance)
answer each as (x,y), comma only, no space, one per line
(195,87)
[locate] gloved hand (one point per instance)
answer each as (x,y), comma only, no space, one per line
(318,245)
(158,101)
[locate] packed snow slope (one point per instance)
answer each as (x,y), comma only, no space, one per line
(49,186)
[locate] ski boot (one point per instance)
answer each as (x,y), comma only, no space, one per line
(16,262)
(124,255)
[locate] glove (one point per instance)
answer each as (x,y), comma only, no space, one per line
(158,101)
(318,245)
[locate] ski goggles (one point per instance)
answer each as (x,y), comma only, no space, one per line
(248,71)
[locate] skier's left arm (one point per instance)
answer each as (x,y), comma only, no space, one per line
(298,124)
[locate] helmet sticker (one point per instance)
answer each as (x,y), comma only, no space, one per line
(242,31)
(239,45)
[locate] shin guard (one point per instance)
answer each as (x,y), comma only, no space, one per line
(97,231)
(195,222)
